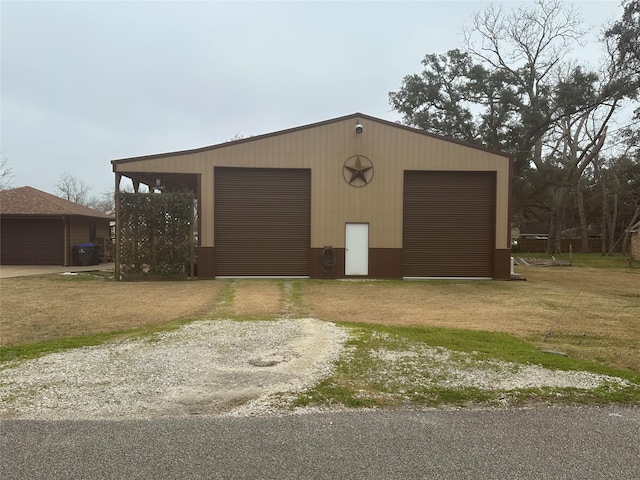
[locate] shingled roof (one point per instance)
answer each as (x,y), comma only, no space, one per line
(31,201)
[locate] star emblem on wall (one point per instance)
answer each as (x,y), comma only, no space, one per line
(358,171)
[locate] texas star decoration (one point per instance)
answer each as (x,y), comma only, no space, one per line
(357,170)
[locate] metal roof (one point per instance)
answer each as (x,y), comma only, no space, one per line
(354,116)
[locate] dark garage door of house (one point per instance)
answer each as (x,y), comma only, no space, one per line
(449,224)
(262,221)
(32,242)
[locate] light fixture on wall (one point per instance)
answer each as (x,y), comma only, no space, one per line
(158,186)
(359,128)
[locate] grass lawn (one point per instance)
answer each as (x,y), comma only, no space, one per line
(54,307)
(590,311)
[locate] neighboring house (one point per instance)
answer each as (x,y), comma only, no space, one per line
(38,228)
(351,197)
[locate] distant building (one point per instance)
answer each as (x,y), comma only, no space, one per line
(37,228)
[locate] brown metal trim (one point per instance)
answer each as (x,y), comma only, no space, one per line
(317,269)
(118,178)
(355,116)
(206,265)
(502,264)
(510,201)
(383,263)
(199,199)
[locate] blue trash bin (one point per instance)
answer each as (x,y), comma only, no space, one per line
(84,253)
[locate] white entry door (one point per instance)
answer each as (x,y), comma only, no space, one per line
(356,251)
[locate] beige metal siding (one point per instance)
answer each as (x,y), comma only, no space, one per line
(262,222)
(448,224)
(324,149)
(79,230)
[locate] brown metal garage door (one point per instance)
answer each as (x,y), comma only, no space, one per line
(32,242)
(262,221)
(449,224)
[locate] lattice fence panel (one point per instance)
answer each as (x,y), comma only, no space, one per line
(156,234)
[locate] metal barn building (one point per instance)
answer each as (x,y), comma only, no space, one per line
(354,196)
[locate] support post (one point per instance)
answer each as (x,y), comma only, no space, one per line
(117,239)
(192,262)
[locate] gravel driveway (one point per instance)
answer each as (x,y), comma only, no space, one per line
(234,368)
(208,367)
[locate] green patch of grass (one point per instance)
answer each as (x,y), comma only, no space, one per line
(296,298)
(482,345)
(335,392)
(228,293)
(224,305)
(34,350)
(414,369)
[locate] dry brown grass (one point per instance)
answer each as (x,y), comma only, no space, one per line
(36,309)
(256,298)
(601,303)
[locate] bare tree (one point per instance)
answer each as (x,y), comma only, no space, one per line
(72,188)
(565,109)
(577,142)
(105,202)
(529,46)
(237,136)
(6,174)
(514,88)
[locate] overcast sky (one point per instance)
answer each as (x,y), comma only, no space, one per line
(84,83)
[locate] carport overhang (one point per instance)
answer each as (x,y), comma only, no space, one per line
(160,181)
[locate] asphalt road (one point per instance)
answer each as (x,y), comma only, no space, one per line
(558,443)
